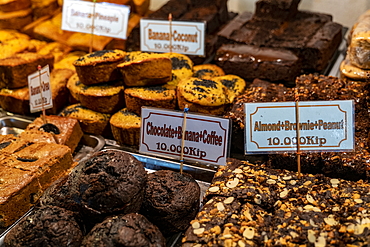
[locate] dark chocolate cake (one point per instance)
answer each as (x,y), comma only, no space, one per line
(171,200)
(312,37)
(124,230)
(45,226)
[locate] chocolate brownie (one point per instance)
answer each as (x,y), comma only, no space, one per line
(250,62)
(276,9)
(108,183)
(312,37)
(124,230)
(45,226)
(171,200)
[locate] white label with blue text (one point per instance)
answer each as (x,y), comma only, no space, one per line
(323,126)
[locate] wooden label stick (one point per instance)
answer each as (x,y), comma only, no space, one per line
(298,134)
(186,110)
(170,24)
(42,97)
(92,28)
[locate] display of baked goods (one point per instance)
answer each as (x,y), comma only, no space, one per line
(182,67)
(14,5)
(16,19)
(103,97)
(310,36)
(99,66)
(125,126)
(252,205)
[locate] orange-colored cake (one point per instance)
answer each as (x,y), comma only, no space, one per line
(70,132)
(15,19)
(26,174)
(207,71)
(14,71)
(14,5)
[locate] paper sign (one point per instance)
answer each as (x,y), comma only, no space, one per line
(105,19)
(206,137)
(40,90)
(186,38)
(323,126)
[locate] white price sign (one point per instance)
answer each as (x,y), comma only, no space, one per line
(103,19)
(323,126)
(40,90)
(186,37)
(206,137)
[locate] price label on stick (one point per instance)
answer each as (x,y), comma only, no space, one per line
(103,19)
(172,36)
(40,90)
(323,126)
(205,137)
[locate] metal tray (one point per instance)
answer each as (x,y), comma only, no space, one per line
(88,145)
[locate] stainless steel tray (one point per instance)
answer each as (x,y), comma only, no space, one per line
(88,145)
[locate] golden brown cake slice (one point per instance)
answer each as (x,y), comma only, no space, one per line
(182,67)
(234,84)
(14,5)
(70,132)
(26,174)
(15,19)
(207,71)
(14,71)
(59,50)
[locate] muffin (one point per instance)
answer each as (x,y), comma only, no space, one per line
(202,95)
(207,71)
(45,226)
(91,122)
(104,97)
(124,230)
(171,200)
(146,70)
(99,66)
(108,183)
(125,126)
(182,67)
(155,96)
